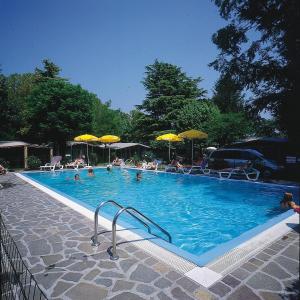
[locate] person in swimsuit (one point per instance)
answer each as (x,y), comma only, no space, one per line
(287,202)
(76,177)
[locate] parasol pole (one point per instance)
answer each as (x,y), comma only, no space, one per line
(169,150)
(108,155)
(192,151)
(87,153)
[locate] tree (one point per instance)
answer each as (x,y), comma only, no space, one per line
(227,95)
(228,128)
(267,65)
(49,71)
(57,111)
(265,127)
(109,121)
(197,115)
(5,108)
(19,86)
(168,91)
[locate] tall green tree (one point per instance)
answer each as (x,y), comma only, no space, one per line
(168,91)
(228,128)
(57,111)
(197,115)
(5,110)
(228,95)
(19,86)
(50,71)
(109,121)
(268,63)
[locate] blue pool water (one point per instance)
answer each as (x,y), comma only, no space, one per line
(199,212)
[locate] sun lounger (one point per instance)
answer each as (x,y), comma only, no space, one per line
(199,169)
(250,173)
(55,163)
(175,169)
(78,163)
(151,166)
(128,163)
(118,162)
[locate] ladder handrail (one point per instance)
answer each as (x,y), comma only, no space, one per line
(127,209)
(95,237)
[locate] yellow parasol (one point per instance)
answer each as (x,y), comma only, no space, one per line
(169,137)
(86,138)
(192,135)
(108,139)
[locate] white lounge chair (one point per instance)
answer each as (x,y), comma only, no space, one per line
(250,173)
(128,163)
(78,163)
(151,166)
(198,169)
(201,168)
(54,163)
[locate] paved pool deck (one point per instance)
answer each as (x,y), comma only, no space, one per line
(54,241)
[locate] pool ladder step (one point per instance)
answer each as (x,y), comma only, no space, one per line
(131,211)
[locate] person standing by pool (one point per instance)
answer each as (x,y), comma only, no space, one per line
(287,202)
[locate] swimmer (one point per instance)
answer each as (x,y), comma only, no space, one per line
(91,172)
(76,177)
(287,202)
(138,176)
(108,168)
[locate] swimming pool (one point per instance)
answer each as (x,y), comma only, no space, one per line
(199,212)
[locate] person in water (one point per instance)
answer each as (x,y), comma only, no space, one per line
(287,202)
(108,168)
(91,172)
(76,177)
(138,176)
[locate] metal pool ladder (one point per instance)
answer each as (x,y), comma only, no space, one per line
(137,215)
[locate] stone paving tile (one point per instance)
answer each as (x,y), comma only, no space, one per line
(178,293)
(231,281)
(263,256)
(288,264)
(55,243)
(263,281)
(276,271)
(243,292)
(220,289)
(145,289)
(291,252)
(256,261)
(249,267)
(240,273)
(85,290)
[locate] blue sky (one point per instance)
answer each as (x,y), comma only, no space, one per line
(104,45)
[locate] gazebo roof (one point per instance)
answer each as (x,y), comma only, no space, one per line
(16,144)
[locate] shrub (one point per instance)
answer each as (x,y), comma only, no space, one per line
(33,162)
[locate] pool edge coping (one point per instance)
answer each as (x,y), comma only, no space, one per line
(204,275)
